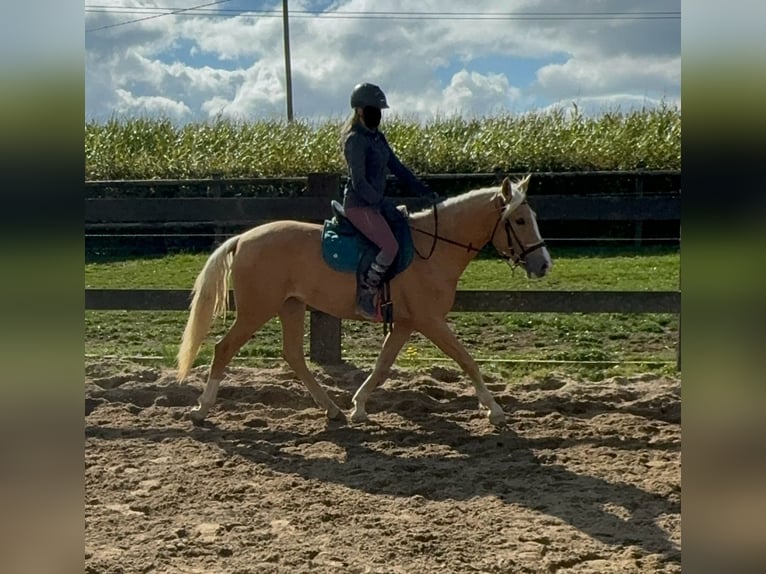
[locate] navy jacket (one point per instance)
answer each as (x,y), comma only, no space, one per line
(369,159)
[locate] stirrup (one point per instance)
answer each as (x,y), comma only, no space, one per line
(371,312)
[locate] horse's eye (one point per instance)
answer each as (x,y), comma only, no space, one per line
(520,221)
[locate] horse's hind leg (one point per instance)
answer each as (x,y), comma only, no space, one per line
(240,332)
(391,346)
(292,315)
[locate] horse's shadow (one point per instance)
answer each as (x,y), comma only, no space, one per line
(464,465)
(501,464)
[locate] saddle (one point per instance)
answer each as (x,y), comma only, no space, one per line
(345,249)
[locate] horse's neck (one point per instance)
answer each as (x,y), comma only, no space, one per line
(463,232)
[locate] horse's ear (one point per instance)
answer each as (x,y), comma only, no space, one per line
(506,189)
(524,184)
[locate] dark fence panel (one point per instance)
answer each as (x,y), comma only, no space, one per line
(166,216)
(545,183)
(229,210)
(252,210)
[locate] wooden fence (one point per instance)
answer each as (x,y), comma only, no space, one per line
(325,331)
(314,205)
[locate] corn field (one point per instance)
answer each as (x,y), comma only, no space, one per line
(564,140)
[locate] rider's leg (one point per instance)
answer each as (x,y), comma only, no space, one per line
(373,225)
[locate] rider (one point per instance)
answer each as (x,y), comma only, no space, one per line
(368,158)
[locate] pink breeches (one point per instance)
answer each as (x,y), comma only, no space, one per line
(374,226)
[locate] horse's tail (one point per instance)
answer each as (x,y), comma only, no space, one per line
(210,299)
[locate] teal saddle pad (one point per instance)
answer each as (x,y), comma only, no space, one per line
(345,249)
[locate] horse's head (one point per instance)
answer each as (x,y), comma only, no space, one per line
(516,236)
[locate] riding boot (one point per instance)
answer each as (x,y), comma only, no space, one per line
(368,283)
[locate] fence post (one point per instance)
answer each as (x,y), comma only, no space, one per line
(325,330)
(325,338)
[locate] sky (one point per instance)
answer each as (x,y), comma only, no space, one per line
(197,60)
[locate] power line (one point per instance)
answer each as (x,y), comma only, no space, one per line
(376,13)
(156,12)
(180,11)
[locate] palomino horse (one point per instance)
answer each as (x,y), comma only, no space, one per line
(277,269)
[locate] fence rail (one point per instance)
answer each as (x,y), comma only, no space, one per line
(465,301)
(245,210)
(325,331)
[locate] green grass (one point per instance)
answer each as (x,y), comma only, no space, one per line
(605,268)
(588,344)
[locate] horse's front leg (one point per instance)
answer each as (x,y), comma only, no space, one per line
(439,332)
(391,346)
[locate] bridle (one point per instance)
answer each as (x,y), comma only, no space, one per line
(512,258)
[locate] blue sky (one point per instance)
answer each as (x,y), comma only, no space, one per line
(431,58)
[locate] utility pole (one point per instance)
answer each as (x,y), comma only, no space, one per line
(288,74)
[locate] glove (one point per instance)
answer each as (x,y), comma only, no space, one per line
(431,196)
(428,193)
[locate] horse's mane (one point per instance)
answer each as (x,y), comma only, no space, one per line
(475,196)
(479,196)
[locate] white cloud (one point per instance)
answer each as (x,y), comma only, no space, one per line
(215,107)
(233,38)
(472,93)
(235,65)
(588,77)
(260,94)
(128,103)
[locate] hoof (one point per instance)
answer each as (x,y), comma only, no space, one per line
(497,418)
(196,416)
(334,413)
(359,417)
(338,421)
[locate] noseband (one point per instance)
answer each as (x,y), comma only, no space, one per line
(512,258)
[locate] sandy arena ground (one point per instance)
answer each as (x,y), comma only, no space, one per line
(586,477)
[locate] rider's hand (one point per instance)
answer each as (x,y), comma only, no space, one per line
(428,193)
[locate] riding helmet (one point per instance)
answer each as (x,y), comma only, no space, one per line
(368,95)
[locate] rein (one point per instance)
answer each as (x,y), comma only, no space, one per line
(434,235)
(437,237)
(509,232)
